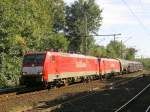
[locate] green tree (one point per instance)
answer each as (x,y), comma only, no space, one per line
(115,49)
(26,25)
(145,61)
(82,19)
(130,53)
(98,51)
(59,15)
(55,42)
(119,50)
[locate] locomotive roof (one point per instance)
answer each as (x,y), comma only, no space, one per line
(72,55)
(35,53)
(109,59)
(129,61)
(62,54)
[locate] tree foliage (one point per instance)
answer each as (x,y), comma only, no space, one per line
(115,49)
(98,51)
(28,25)
(130,53)
(119,50)
(146,62)
(59,15)
(82,15)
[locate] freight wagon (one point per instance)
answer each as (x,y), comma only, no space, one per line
(130,66)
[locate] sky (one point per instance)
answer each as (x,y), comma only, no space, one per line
(131,18)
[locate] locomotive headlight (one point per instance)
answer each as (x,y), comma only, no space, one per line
(24,73)
(40,73)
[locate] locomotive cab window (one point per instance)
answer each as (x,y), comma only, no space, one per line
(34,58)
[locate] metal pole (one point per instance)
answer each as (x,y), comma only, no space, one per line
(114,38)
(114,41)
(121,50)
(86,31)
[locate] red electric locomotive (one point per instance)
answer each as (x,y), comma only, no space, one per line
(55,67)
(109,67)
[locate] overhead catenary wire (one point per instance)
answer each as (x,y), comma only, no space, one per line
(127,39)
(141,4)
(136,17)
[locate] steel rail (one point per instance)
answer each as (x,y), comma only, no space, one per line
(22,89)
(133,99)
(121,82)
(92,92)
(11,89)
(148,109)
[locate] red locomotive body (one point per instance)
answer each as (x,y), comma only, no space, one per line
(63,65)
(108,66)
(51,66)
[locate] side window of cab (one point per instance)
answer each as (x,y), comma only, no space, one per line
(52,59)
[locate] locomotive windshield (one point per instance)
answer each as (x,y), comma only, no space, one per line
(34,58)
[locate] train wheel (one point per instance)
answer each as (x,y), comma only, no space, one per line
(66,82)
(21,81)
(101,77)
(86,80)
(46,85)
(108,76)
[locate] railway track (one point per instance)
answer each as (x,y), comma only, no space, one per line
(148,109)
(19,93)
(7,90)
(90,89)
(23,89)
(135,103)
(69,100)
